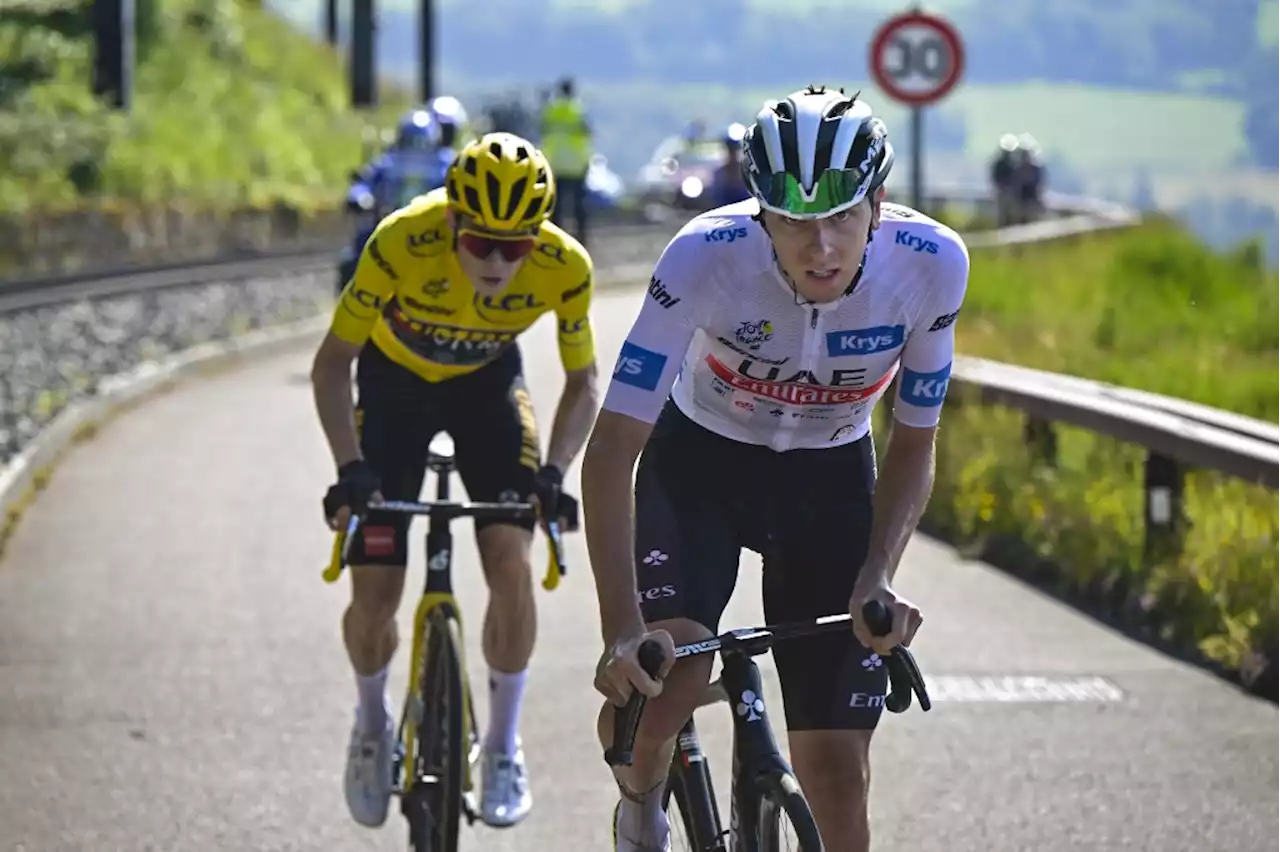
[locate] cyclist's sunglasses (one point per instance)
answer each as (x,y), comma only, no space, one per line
(482,245)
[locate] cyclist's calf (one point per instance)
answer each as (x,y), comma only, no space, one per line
(664,715)
(511,621)
(369,623)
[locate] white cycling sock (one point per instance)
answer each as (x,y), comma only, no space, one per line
(373,713)
(506,691)
(641,819)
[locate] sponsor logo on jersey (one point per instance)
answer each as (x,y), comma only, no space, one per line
(803,388)
(661,295)
(511,302)
(436,287)
(741,350)
(570,295)
(945,320)
(927,390)
(917,244)
(447,344)
(425,243)
(569,327)
(375,254)
(753,334)
(726,235)
(639,367)
(550,251)
(865,341)
(423,308)
(843,432)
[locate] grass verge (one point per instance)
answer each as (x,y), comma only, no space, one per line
(1148,308)
(232,107)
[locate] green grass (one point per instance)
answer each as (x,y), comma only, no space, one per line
(233,107)
(1148,308)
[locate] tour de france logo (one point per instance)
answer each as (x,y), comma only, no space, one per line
(753,334)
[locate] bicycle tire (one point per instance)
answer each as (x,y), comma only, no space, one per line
(434,816)
(781,799)
(690,786)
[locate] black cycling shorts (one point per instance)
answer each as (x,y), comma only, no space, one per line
(488,414)
(700,498)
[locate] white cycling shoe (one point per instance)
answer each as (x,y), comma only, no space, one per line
(368,777)
(505,799)
(622,844)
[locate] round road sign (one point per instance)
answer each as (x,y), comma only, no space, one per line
(916,58)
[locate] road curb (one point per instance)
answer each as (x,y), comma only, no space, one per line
(26,475)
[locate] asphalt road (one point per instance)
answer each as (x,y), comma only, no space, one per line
(171,675)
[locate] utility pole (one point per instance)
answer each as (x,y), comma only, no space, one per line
(364,80)
(426,50)
(331,22)
(114,47)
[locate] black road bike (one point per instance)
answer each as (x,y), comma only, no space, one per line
(435,768)
(765,800)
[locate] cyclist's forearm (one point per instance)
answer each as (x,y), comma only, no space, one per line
(574,417)
(332,390)
(607,511)
(902,492)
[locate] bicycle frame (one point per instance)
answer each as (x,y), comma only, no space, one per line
(756,755)
(438,610)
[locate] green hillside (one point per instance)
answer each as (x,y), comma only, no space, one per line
(232,106)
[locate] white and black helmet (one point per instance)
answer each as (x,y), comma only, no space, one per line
(815,153)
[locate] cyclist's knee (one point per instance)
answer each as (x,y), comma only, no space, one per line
(682,688)
(832,766)
(375,594)
(504,554)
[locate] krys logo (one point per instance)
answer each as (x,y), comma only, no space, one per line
(917,244)
(726,235)
(927,390)
(865,341)
(753,334)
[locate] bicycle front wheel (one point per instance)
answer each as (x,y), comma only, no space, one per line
(434,805)
(786,823)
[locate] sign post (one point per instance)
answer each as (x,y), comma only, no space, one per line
(916,59)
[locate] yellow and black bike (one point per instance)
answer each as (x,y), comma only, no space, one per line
(434,772)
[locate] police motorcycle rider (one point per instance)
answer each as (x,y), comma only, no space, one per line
(727,183)
(415,164)
(745,390)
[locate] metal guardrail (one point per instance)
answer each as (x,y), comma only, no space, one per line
(1178,435)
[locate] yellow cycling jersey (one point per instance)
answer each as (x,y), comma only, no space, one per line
(411,298)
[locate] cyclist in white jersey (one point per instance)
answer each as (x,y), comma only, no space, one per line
(745,388)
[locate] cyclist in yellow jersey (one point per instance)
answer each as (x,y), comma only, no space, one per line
(443,289)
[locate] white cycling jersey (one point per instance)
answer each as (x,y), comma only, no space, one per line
(723,333)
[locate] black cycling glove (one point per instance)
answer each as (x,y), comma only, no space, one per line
(356,484)
(546,487)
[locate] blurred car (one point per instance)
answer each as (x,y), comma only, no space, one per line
(679,173)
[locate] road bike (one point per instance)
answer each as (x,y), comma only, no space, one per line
(435,767)
(765,798)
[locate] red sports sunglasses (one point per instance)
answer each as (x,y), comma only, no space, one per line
(482,245)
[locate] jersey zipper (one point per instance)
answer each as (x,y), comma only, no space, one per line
(809,351)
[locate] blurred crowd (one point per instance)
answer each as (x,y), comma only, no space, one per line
(1018,180)
(696,169)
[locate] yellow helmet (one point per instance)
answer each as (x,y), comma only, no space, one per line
(503,182)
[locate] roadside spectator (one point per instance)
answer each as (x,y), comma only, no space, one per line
(566,140)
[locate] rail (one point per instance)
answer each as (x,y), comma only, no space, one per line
(33,292)
(1178,436)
